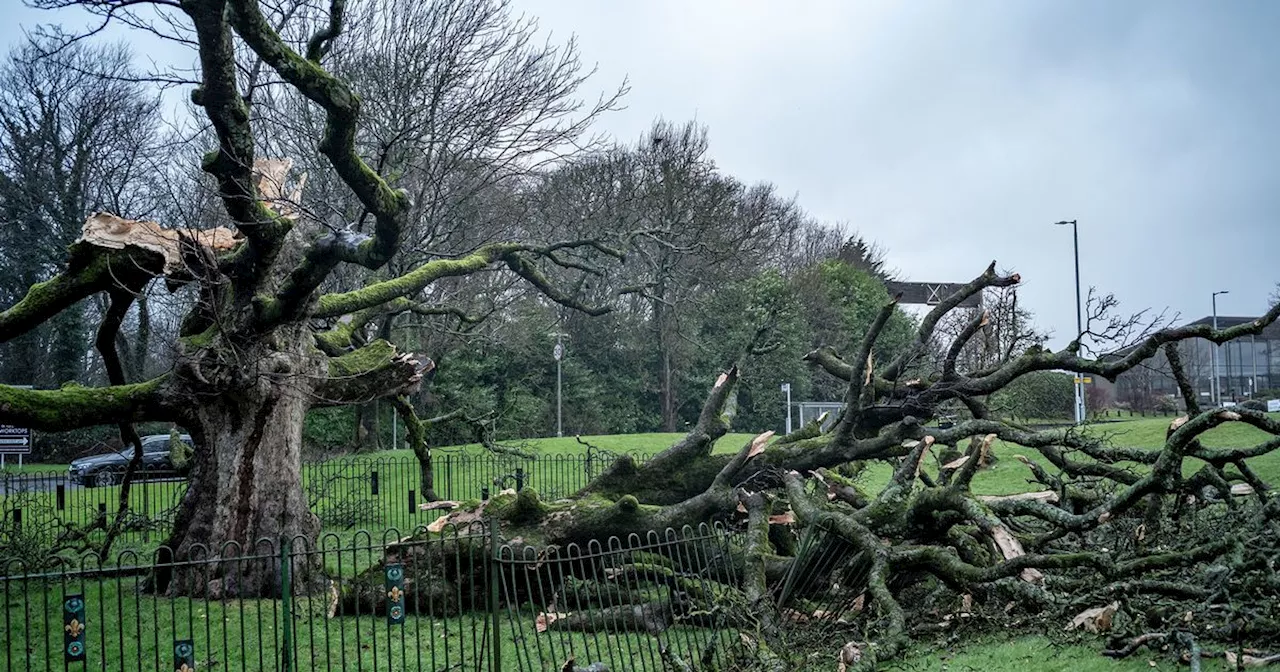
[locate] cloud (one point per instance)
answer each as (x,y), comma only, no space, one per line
(956,133)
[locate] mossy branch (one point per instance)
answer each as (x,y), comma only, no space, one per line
(74,406)
(374,371)
(90,269)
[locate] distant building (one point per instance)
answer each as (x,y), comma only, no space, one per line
(1246,367)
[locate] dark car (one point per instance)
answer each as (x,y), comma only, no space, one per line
(109,468)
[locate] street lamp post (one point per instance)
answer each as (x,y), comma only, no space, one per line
(1079,381)
(558,353)
(786,387)
(1217,385)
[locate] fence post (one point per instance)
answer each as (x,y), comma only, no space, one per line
(448,477)
(286,606)
(493,569)
(373,481)
(146,510)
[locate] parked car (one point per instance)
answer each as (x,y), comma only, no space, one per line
(108,468)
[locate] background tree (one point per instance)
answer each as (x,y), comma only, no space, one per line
(74,138)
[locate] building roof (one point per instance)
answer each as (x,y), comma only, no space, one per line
(1227,321)
(1271,332)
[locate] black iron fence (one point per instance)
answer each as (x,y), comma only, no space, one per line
(39,510)
(461,599)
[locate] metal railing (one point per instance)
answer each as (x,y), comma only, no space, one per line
(463,599)
(40,510)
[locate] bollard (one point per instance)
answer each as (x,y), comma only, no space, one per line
(62,497)
(519,479)
(413,502)
(373,481)
(484,494)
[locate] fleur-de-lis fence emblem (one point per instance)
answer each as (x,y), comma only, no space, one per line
(395,594)
(184,655)
(73,627)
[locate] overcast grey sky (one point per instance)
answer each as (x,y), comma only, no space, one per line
(954,133)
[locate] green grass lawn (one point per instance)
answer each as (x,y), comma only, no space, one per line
(1024,654)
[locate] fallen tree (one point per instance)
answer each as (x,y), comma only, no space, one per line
(921,551)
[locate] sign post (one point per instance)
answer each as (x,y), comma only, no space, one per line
(15,440)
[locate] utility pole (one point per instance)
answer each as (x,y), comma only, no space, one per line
(1079,380)
(1217,385)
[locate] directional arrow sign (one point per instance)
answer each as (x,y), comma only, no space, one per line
(15,440)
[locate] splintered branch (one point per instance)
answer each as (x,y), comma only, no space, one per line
(342,110)
(374,371)
(232,164)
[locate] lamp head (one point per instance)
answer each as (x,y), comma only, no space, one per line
(1064,223)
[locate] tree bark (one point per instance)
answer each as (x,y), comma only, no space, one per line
(245,491)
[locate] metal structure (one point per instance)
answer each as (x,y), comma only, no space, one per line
(930,293)
(464,598)
(1216,385)
(811,410)
(1079,382)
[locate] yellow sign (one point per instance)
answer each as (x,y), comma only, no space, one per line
(1086,380)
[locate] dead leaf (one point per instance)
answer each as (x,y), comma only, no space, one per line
(850,654)
(1096,620)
